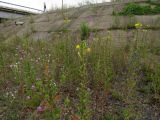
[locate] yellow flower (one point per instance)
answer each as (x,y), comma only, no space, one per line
(78,46)
(144,30)
(88,50)
(138,25)
(66,21)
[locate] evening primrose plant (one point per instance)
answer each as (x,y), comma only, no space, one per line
(84,111)
(67,21)
(138,25)
(82,50)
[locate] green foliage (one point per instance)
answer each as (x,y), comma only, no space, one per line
(156,50)
(116,95)
(153,2)
(84,31)
(84,112)
(52,115)
(101,62)
(135,9)
(127,114)
(110,117)
(1,60)
(154,77)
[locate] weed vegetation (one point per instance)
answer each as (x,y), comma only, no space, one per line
(84,79)
(136,9)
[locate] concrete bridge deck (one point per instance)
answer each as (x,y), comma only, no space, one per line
(12,13)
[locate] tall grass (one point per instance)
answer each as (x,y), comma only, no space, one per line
(59,79)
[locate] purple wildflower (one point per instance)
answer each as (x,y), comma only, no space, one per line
(40,109)
(33,87)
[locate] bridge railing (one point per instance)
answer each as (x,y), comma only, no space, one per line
(21,6)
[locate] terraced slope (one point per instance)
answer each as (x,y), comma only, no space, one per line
(99,17)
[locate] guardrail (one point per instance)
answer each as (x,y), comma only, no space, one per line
(38,10)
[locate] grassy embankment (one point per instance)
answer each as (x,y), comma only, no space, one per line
(88,78)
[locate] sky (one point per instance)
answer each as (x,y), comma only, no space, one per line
(38,4)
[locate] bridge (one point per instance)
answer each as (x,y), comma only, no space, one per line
(13,13)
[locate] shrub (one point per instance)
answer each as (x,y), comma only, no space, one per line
(131,9)
(84,31)
(135,9)
(156,9)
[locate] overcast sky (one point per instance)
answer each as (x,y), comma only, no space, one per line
(38,4)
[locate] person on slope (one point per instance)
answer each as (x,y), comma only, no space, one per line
(45,7)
